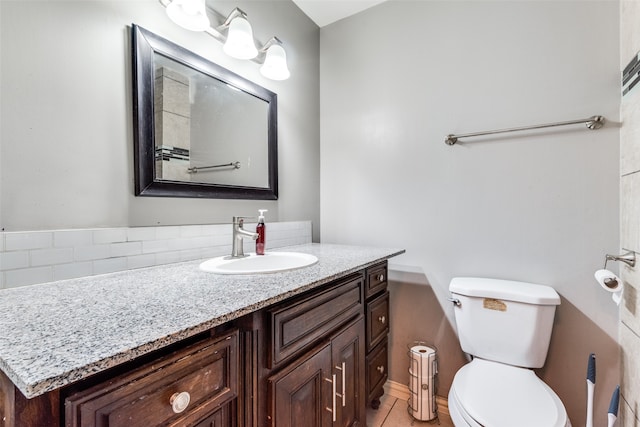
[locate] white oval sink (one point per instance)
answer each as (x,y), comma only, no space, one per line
(270,262)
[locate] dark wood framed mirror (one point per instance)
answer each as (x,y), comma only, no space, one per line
(200,130)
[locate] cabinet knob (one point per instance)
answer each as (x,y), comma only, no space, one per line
(380,369)
(180,401)
(381,278)
(382,319)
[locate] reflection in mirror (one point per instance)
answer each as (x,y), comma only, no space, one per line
(212,133)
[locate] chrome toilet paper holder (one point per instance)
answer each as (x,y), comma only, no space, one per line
(628,258)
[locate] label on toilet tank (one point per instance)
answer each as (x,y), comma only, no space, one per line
(494,304)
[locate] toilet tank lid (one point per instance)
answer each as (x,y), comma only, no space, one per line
(507,290)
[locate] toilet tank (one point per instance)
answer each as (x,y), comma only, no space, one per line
(504,321)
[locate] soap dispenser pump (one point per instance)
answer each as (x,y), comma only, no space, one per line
(260,230)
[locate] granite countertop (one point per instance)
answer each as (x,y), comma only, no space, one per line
(56,333)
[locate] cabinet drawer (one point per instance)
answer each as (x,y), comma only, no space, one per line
(377,320)
(376,279)
(298,324)
(207,371)
(377,365)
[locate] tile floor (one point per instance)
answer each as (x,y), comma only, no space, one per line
(393,413)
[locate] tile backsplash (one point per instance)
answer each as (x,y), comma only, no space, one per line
(31,257)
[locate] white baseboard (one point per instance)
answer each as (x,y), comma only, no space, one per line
(401,391)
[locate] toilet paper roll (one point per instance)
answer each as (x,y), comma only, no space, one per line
(610,283)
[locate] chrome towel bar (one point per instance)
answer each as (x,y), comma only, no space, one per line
(195,169)
(593,123)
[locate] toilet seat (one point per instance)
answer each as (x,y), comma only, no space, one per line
(486,393)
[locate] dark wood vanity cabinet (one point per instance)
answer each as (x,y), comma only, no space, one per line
(377,315)
(324,387)
(314,359)
(317,358)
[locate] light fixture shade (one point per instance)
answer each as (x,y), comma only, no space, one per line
(189,14)
(240,42)
(275,63)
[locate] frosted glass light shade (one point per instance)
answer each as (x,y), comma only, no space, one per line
(239,42)
(189,14)
(275,64)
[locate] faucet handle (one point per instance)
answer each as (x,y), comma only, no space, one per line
(238,219)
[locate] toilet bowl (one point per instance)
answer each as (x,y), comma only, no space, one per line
(491,394)
(506,327)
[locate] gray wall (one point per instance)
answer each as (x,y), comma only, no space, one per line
(539,206)
(66,143)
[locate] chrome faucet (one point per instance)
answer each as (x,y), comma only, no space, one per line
(239,233)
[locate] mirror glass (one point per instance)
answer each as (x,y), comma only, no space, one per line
(201,130)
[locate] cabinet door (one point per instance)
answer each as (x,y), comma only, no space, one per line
(348,357)
(301,395)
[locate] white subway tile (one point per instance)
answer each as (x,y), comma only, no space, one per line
(126,249)
(220,240)
(216,229)
(28,240)
(72,270)
(28,276)
(189,254)
(63,254)
(41,257)
(210,253)
(90,253)
(139,261)
(167,232)
(197,242)
(190,230)
(110,235)
(13,260)
(141,233)
(109,265)
(167,257)
(155,246)
(70,238)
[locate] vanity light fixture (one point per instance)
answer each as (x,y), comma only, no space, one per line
(189,14)
(238,42)
(275,61)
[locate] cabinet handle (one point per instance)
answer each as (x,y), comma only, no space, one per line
(381,278)
(344,381)
(180,401)
(333,396)
(382,319)
(380,369)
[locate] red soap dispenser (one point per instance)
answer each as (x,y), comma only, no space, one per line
(261,229)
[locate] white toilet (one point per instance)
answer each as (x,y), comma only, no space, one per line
(506,327)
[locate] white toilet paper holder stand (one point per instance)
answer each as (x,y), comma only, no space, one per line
(628,258)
